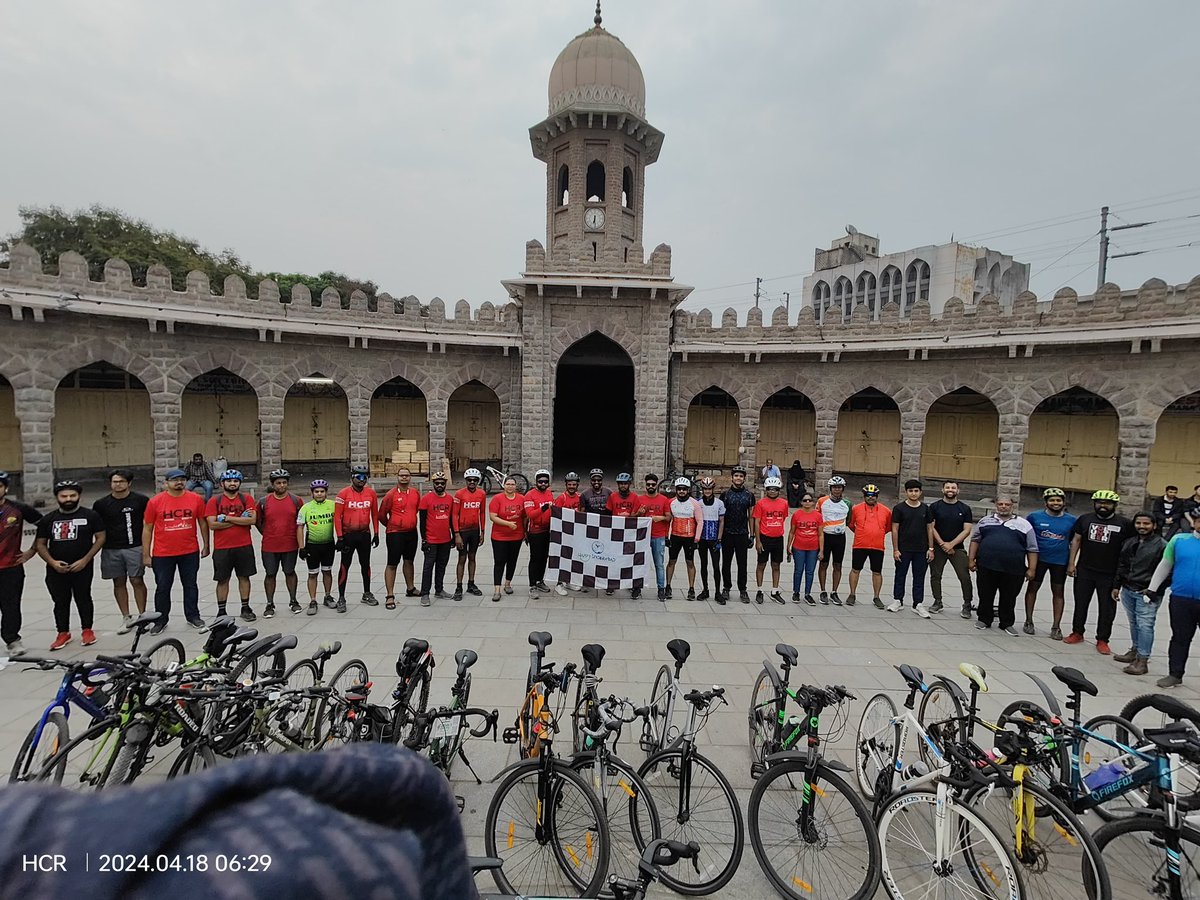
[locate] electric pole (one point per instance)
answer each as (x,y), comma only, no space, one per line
(757,291)
(787,303)
(1103,248)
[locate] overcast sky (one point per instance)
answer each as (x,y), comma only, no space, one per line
(389,140)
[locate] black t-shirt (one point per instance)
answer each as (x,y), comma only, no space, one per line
(949,518)
(69,536)
(1101,540)
(122,520)
(913,521)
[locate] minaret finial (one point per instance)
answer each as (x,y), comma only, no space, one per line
(597,19)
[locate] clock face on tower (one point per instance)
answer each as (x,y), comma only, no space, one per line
(593,219)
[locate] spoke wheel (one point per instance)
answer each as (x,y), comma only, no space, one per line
(1135,850)
(941,715)
(632,817)
(876,744)
(37,748)
(762,717)
(1095,755)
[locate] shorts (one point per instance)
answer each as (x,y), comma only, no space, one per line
(470,541)
(1058,575)
(686,544)
(320,556)
(273,561)
(401,545)
(233,559)
(772,549)
(835,548)
(859,557)
(125,563)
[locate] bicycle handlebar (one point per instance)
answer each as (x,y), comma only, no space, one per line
(701,699)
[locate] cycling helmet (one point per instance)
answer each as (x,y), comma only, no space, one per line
(1053,492)
(359,471)
(542,473)
(1110,496)
(232,475)
(683,482)
(773,482)
(707,484)
(624,478)
(837,481)
(438,476)
(596,473)
(473,473)
(319,483)
(871,490)
(279,473)
(739,470)
(571,476)
(68,485)
(4,477)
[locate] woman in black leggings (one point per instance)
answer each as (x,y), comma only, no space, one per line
(507,513)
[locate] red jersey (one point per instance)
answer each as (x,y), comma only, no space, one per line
(772,516)
(231,508)
(510,510)
(657,505)
(686,518)
(175,520)
(870,525)
(438,510)
(624,506)
(398,509)
(807,525)
(277,522)
(13,516)
(539,519)
(568,501)
(468,510)
(355,511)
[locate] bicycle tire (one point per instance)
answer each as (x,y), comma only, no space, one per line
(940,723)
(301,674)
(871,748)
(195,757)
(599,845)
(578,717)
(330,713)
(762,717)
(166,652)
(81,764)
(55,735)
(660,707)
(485,482)
(522,482)
(632,816)
(1187,782)
(660,772)
(787,831)
(1129,879)
(1119,805)
(405,711)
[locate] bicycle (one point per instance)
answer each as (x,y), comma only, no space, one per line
(493,479)
(1147,712)
(658,730)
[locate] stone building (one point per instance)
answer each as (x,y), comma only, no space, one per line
(593,362)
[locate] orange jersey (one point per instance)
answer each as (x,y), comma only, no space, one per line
(870,524)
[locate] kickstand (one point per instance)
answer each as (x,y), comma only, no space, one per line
(463,756)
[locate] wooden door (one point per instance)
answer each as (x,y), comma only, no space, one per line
(11,459)
(97,429)
(785,435)
(397,419)
(1175,457)
(961,446)
(316,428)
(711,436)
(1076,452)
(867,442)
(220,425)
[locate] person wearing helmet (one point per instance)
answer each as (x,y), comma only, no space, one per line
(568,499)
(623,502)
(713,510)
(356,523)
(1096,540)
(436,528)
(13,517)
(231,514)
(276,522)
(398,514)
(122,512)
(657,506)
(199,474)
(687,521)
(467,518)
(871,523)
(507,512)
(835,511)
(1181,565)
(912,547)
(952,521)
(539,501)
(68,539)
(316,539)
(595,498)
(806,544)
(769,518)
(170,546)
(739,501)
(1052,526)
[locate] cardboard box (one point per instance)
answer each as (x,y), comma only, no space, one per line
(406,446)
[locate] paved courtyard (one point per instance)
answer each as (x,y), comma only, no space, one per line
(852,646)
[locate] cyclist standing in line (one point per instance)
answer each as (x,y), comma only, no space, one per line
(713,510)
(1140,556)
(687,520)
(356,524)
(121,559)
(276,522)
(569,499)
(507,512)
(739,501)
(1180,564)
(657,507)
(952,520)
(469,529)
(806,540)
(398,515)
(623,502)
(871,523)
(1096,542)
(1003,556)
(770,518)
(436,526)
(68,539)
(1053,527)
(835,511)
(912,547)
(538,503)
(595,498)
(315,539)
(231,514)
(170,545)
(13,516)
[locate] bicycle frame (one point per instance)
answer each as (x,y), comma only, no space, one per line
(67,696)
(1155,771)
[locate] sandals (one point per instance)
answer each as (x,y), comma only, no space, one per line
(389,602)
(496,597)
(412,592)
(508,589)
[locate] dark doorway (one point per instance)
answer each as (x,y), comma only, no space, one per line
(594,407)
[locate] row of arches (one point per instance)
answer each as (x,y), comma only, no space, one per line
(595,184)
(892,286)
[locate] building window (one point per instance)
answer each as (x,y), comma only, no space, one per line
(627,187)
(595,181)
(564,184)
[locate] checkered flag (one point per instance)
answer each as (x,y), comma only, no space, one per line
(595,550)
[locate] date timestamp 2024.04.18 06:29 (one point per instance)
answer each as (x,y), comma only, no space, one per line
(149,862)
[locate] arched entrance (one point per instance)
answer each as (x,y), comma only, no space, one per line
(596,375)
(473,427)
(1072,442)
(316,425)
(11,459)
(787,430)
(711,437)
(219,418)
(398,432)
(962,438)
(101,420)
(1173,458)
(867,441)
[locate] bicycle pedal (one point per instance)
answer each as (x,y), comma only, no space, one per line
(510,735)
(756,770)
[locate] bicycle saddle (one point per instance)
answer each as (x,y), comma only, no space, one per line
(974,674)
(1178,737)
(593,655)
(326,651)
(1176,709)
(541,640)
(465,659)
(1075,680)
(680,649)
(287,642)
(240,637)
(414,647)
(789,654)
(145,619)
(258,646)
(912,675)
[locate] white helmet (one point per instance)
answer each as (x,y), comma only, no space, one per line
(773,482)
(541,473)
(837,481)
(473,473)
(683,481)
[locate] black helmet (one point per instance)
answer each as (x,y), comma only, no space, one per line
(360,472)
(68,485)
(4,478)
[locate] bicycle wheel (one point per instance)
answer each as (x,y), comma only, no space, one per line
(534,839)
(876,744)
(707,813)
(977,865)
(83,762)
(164,654)
(413,702)
(579,716)
(941,715)
(486,483)
(1095,755)
(628,807)
(1057,854)
(194,758)
(1136,853)
(835,854)
(37,748)
(522,482)
(660,702)
(331,724)
(301,717)
(762,718)
(1187,774)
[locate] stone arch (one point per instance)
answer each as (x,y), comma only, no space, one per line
(998,392)
(961,438)
(1073,441)
(627,187)
(891,286)
(1037,392)
(11,451)
(598,366)
(58,364)
(712,434)
(563,194)
(102,419)
(843,296)
(219,417)
(595,183)
(241,364)
(916,284)
(1173,457)
(820,294)
(615,330)
(398,428)
(868,437)
(474,425)
(316,426)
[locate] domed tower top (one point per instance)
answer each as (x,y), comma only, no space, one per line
(597,72)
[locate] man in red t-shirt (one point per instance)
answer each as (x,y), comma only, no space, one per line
(568,499)
(231,514)
(769,519)
(356,524)
(467,520)
(398,515)
(624,502)
(13,516)
(276,522)
(436,517)
(170,545)
(658,507)
(538,503)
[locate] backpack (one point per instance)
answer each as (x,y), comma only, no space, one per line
(262,509)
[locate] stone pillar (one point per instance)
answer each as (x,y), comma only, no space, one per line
(358,404)
(35,411)
(1136,437)
(650,379)
(912,433)
(1014,432)
(270,432)
(536,381)
(678,423)
(748,418)
(826,427)
(436,408)
(165,410)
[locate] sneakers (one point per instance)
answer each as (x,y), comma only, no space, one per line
(159,627)
(1137,667)
(425,600)
(247,613)
(966,611)
(126,625)
(1056,633)
(608,592)
(368,599)
(64,638)
(824,598)
(1103,649)
(1073,638)
(662,593)
(442,595)
(1126,657)
(473,589)
(197,622)
(691,594)
(496,597)
(982,625)
(745,596)
(269,611)
(87,637)
(458,594)
(937,607)
(1029,629)
(1169,681)
(668,592)
(850,599)
(312,607)
(921,611)
(895,606)
(561,590)
(795,596)
(721,598)
(1010,631)
(635,593)
(15,649)
(837,601)
(541,587)
(330,603)
(341,605)
(703,595)
(879,604)
(758,597)
(808,598)
(294,606)
(777,596)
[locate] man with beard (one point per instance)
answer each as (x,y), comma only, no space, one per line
(68,540)
(437,537)
(13,516)
(657,507)
(871,522)
(1003,556)
(538,503)
(1096,543)
(570,498)
(623,502)
(230,517)
(951,528)
(1140,556)
(739,501)
(122,512)
(1053,528)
